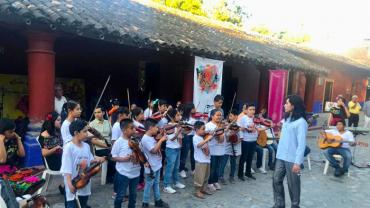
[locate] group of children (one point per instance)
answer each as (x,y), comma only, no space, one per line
(165,140)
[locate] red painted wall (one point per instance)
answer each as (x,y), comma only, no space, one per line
(347,83)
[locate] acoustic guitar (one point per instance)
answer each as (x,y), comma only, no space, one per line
(329,140)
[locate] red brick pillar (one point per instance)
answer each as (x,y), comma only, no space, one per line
(187,91)
(41,75)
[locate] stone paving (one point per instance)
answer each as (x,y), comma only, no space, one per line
(318,190)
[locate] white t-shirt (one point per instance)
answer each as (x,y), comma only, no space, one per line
(215,148)
(147,113)
(246,122)
(66,134)
(199,156)
(191,121)
(172,144)
(162,122)
(237,147)
(72,160)
(116,131)
(155,160)
(58,104)
(121,149)
(347,136)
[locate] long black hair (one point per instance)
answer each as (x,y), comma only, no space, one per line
(299,110)
(48,124)
(136,112)
(68,106)
(186,113)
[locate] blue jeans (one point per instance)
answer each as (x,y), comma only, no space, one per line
(344,152)
(215,168)
(81,199)
(187,144)
(232,165)
(152,183)
(259,151)
(121,183)
(224,160)
(172,167)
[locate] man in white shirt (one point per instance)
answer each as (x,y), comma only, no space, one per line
(59,99)
(343,150)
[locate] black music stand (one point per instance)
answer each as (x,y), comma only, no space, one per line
(353,162)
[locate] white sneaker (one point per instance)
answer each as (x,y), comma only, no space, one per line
(262,170)
(169,190)
(252,171)
(193,172)
(217,186)
(179,185)
(183,174)
(211,187)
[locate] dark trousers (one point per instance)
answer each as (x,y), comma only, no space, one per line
(73,203)
(141,177)
(121,183)
(353,119)
(259,151)
(187,144)
(111,170)
(216,162)
(282,169)
(248,149)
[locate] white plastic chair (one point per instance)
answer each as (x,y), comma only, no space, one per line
(327,163)
(47,175)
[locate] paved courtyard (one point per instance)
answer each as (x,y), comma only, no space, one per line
(318,190)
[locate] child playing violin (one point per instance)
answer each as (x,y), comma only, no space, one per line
(233,145)
(173,148)
(127,169)
(151,146)
(217,149)
(77,157)
(202,160)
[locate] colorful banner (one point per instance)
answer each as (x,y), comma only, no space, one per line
(14,94)
(277,93)
(207,82)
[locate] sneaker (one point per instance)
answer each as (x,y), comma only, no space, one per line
(179,185)
(193,172)
(62,190)
(211,187)
(241,178)
(169,190)
(183,174)
(145,205)
(217,186)
(232,180)
(223,181)
(252,171)
(199,195)
(206,191)
(262,170)
(114,195)
(251,177)
(338,172)
(160,203)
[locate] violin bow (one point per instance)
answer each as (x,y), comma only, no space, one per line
(101,95)
(232,103)
(128,99)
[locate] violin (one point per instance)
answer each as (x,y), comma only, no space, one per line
(199,115)
(186,126)
(139,155)
(98,135)
(82,179)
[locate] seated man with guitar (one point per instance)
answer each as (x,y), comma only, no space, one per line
(338,141)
